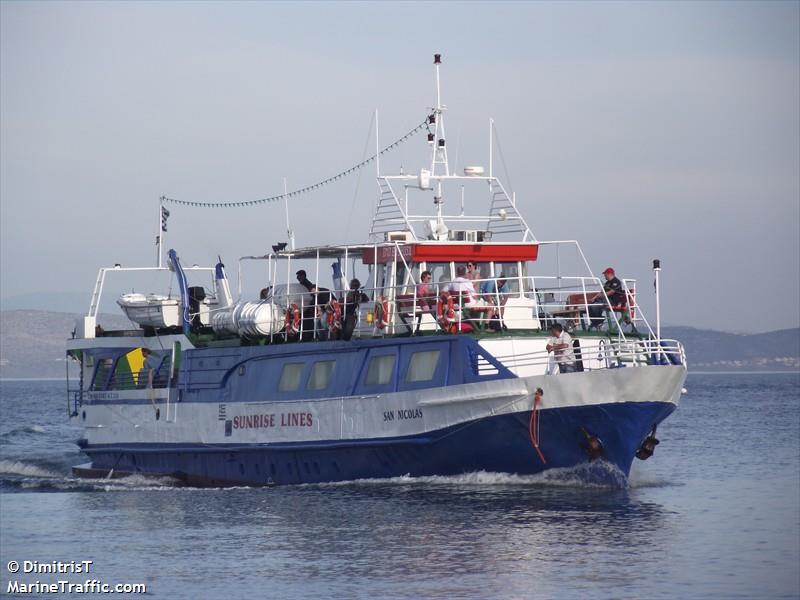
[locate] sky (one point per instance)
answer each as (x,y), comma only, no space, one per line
(643,130)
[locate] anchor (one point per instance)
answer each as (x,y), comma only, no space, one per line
(594,445)
(648,446)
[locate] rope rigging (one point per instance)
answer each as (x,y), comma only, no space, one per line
(304,190)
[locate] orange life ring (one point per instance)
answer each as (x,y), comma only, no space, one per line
(445,311)
(292,320)
(334,315)
(381,313)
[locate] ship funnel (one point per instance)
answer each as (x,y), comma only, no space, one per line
(224,296)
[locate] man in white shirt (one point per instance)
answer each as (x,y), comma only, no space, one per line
(560,344)
(463,287)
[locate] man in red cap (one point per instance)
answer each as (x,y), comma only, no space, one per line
(616,296)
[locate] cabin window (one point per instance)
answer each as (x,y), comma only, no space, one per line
(380,370)
(321,374)
(290,377)
(422,365)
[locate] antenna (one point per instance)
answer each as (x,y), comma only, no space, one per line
(377,147)
(491,146)
(439,153)
(289,231)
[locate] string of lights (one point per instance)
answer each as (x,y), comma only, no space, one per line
(304,190)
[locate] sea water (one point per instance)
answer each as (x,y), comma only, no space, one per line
(714,514)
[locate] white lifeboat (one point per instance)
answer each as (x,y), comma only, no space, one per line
(151,310)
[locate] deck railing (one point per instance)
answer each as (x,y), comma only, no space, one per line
(599,353)
(527,303)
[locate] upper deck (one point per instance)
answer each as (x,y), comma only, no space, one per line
(409,279)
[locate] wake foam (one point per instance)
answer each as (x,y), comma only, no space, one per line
(24,429)
(20,469)
(599,474)
(30,477)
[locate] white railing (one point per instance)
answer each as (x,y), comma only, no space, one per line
(604,354)
(571,304)
(97,293)
(523,305)
(527,303)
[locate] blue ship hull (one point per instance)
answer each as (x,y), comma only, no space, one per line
(492,444)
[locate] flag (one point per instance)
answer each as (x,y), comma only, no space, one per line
(164,217)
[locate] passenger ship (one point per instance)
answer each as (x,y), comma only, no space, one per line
(214,390)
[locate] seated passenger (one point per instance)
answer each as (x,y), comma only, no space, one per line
(473,274)
(616,297)
(495,293)
(463,289)
(425,292)
(491,289)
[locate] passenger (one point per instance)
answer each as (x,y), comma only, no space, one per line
(464,292)
(302,279)
(616,296)
(351,302)
(492,288)
(425,293)
(473,275)
(322,296)
(265,293)
(337,277)
(560,344)
(461,287)
(148,371)
(495,293)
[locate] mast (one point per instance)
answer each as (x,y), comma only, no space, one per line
(163,215)
(439,154)
(392,214)
(289,231)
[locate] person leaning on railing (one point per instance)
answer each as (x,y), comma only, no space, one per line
(351,302)
(321,296)
(148,370)
(560,344)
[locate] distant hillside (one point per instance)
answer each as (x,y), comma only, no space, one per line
(32,345)
(716,350)
(32,341)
